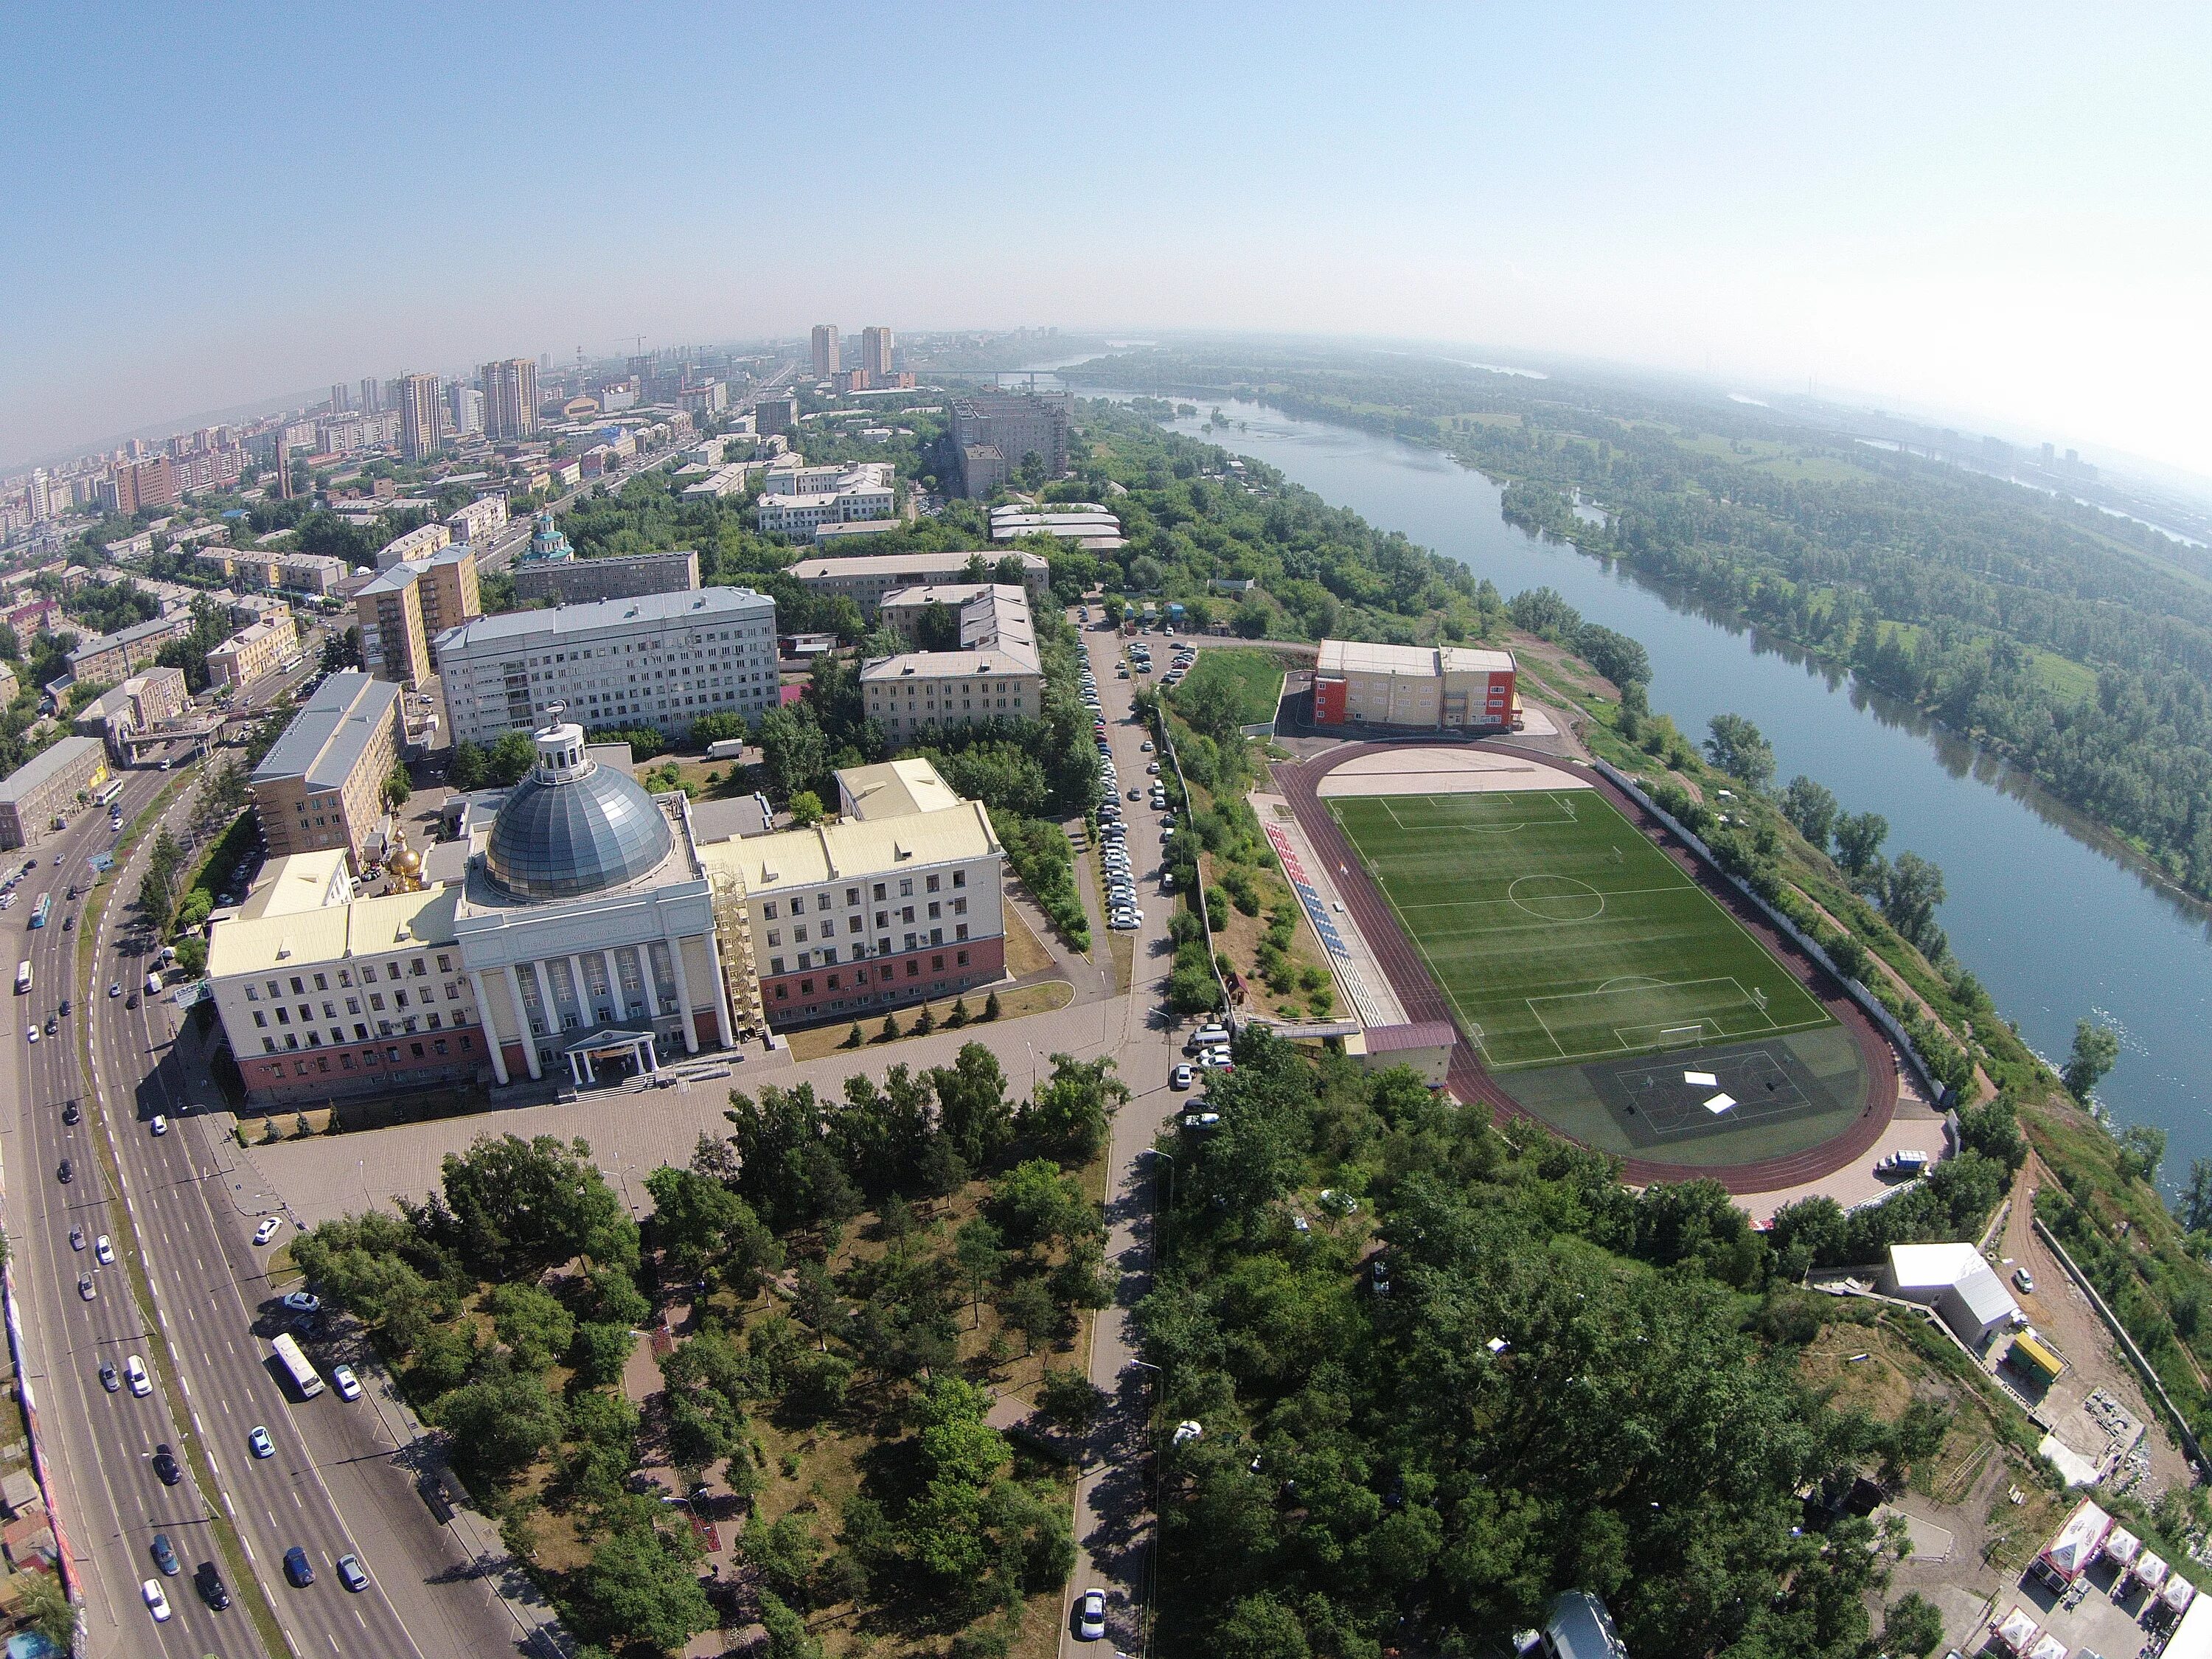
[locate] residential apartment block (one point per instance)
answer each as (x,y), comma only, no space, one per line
(48,787)
(510,390)
(795,500)
(322,785)
(658,660)
(417,544)
(408,605)
(620,577)
(479,521)
(1015,424)
(112,656)
(254,652)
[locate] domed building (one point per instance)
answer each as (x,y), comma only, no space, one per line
(568,929)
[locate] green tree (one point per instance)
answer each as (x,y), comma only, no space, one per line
(542,1202)
(2194,1207)
(1737,747)
(509,760)
(468,766)
(2096,1051)
(45,1608)
(500,1423)
(536,1328)
(1912,1625)
(1071,1110)
(1070,1400)
(1261,1627)
(1858,842)
(787,1635)
(979,1253)
(794,750)
(805,808)
(1028,1307)
(1913,890)
(1035,1204)
(639,1591)
(1811,809)
(2142,1149)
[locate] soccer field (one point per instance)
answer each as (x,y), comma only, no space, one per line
(1561,935)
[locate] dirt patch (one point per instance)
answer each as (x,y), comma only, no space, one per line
(1025,951)
(1866,1366)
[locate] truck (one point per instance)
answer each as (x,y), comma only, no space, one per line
(727,749)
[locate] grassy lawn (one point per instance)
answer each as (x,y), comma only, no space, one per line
(1561,934)
(817,1041)
(1256,676)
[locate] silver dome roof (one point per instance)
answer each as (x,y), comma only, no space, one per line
(572,827)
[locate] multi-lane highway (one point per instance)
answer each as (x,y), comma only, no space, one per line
(338,1481)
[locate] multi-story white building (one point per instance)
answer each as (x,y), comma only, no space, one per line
(794,501)
(577,930)
(897,901)
(866,578)
(481,519)
(658,660)
(996,673)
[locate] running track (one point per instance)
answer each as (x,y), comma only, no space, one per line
(1410,978)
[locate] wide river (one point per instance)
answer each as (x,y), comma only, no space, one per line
(2056,925)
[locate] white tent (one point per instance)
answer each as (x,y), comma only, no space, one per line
(2192,1636)
(2048,1647)
(2177,1594)
(2075,1546)
(2017,1632)
(2151,1572)
(2121,1548)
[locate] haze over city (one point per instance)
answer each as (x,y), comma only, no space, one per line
(1995,213)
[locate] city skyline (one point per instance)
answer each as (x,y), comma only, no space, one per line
(1986,212)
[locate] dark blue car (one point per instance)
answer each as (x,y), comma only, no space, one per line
(298,1568)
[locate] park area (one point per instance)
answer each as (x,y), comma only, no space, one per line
(1562,935)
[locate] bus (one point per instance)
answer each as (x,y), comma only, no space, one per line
(23,977)
(108,795)
(295,1365)
(42,910)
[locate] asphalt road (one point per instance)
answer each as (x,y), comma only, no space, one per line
(338,1481)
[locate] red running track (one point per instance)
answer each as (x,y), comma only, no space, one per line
(1409,976)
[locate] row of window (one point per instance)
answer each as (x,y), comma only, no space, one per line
(933,883)
(854,924)
(390,1055)
(884,975)
(828,953)
(416,968)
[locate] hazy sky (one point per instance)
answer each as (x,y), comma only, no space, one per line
(2004,210)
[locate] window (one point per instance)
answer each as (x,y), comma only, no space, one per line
(298,985)
(913,970)
(768,910)
(960,907)
(933,883)
(936,911)
(963,958)
(959,878)
(937,964)
(906,888)
(877,893)
(322,983)
(822,901)
(852,897)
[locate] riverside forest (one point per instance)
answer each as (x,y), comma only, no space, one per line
(2075,644)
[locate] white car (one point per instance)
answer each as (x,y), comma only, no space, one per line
(266,1231)
(1206,1036)
(1124,921)
(157,1603)
(1217,1059)
(343,1380)
(134,1373)
(1090,1613)
(32,1034)
(1180,1077)
(160,1124)
(103,1251)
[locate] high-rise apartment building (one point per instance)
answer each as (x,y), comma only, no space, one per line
(42,496)
(372,395)
(827,361)
(993,433)
(418,414)
(467,404)
(775,415)
(510,398)
(141,486)
(875,352)
(341,397)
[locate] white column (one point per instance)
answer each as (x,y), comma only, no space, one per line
(490,1030)
(683,996)
(583,991)
(614,984)
(522,1023)
(721,992)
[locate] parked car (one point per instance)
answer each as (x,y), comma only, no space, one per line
(1180,1077)
(303,1302)
(1206,1036)
(1091,1616)
(2024,1279)
(266,1231)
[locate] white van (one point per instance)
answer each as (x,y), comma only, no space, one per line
(152,985)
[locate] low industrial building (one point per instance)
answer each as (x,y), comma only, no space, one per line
(1448,688)
(865,578)
(254,652)
(660,659)
(47,787)
(321,785)
(479,521)
(1957,1282)
(1085,523)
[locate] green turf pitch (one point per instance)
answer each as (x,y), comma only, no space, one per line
(1561,934)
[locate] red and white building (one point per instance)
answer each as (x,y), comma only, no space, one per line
(1447,688)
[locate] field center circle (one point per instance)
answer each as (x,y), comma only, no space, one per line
(1556,898)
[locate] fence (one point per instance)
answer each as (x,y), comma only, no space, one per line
(1869,1003)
